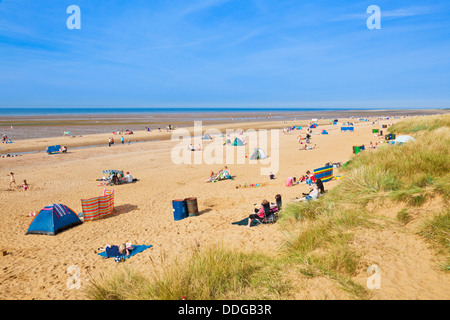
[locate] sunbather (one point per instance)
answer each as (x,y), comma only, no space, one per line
(312,195)
(122,249)
(128,178)
(212,177)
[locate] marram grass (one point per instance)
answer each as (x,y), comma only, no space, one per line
(319,234)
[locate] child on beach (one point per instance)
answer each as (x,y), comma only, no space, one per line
(11,179)
(25,185)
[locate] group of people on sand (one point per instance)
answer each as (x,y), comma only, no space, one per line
(222,174)
(119,178)
(192,148)
(309,147)
(266,211)
(5,139)
(12,181)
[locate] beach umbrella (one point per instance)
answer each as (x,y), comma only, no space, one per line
(109,172)
(404,139)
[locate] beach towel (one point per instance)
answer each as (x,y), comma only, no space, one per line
(53,149)
(244,222)
(113,251)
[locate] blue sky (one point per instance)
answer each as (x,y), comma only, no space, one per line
(225,53)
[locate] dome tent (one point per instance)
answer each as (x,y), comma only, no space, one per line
(53,219)
(238,142)
(404,139)
(258,153)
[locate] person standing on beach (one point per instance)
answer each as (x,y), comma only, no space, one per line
(122,139)
(11,179)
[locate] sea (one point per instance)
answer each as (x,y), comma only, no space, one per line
(31,123)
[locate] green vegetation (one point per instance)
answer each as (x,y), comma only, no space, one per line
(319,235)
(428,123)
(437,231)
(403,216)
(215,273)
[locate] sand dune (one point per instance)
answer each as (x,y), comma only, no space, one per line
(35,266)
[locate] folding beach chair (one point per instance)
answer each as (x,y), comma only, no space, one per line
(269,216)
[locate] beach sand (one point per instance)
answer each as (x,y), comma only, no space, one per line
(36,266)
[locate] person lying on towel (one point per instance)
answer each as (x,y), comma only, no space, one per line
(312,195)
(117,250)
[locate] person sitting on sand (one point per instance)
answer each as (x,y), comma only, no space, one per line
(259,214)
(319,184)
(312,195)
(128,178)
(212,177)
(226,173)
(309,178)
(115,178)
(25,185)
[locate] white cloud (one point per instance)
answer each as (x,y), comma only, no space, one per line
(397,13)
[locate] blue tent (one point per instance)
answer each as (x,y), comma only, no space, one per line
(238,142)
(53,219)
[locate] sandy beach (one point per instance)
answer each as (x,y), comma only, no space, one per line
(35,266)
